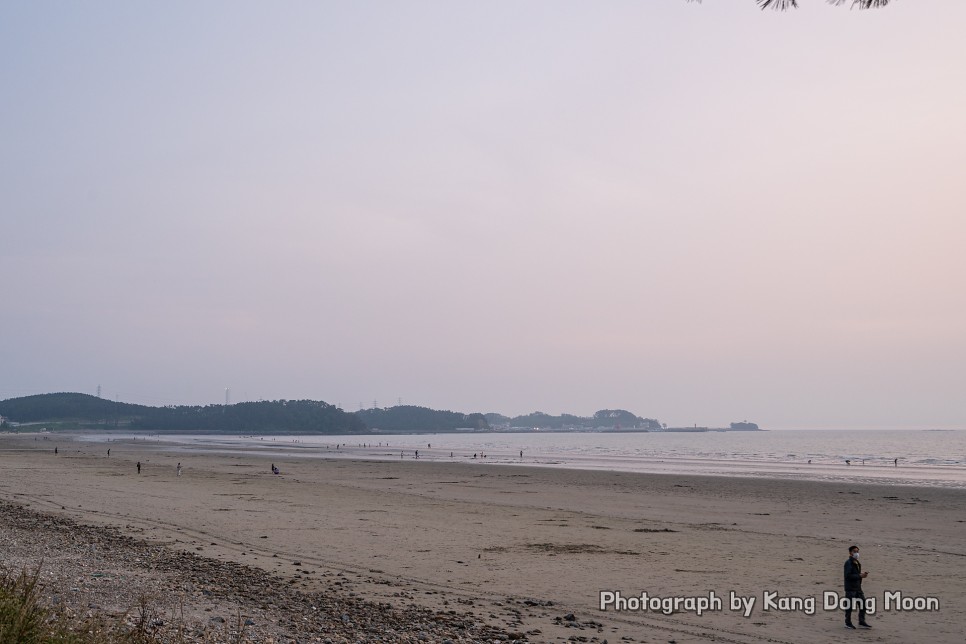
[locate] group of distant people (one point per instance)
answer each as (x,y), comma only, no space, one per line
(179,470)
(848,461)
(275,470)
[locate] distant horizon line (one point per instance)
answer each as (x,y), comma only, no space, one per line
(338,406)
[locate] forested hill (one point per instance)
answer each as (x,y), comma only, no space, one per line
(70,410)
(266,417)
(276,416)
(603,419)
(409,418)
(81,407)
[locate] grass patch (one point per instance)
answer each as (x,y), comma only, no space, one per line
(25,620)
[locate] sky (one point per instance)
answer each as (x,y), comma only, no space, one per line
(702,213)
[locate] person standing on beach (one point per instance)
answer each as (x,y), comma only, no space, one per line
(853,588)
(179,469)
(139,467)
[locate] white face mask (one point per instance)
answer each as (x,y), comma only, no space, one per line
(855,554)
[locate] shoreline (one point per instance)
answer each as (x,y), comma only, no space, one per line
(878,471)
(490,539)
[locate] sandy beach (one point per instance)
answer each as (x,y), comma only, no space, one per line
(513,552)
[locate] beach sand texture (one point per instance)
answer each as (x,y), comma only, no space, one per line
(521,548)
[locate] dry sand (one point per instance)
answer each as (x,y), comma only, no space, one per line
(523,548)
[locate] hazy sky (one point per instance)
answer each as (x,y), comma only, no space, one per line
(701,213)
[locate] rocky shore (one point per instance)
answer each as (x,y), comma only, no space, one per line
(130,585)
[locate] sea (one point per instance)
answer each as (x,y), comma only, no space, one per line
(930,458)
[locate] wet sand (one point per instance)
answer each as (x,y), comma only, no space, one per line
(528,550)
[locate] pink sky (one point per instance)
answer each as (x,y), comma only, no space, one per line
(698,212)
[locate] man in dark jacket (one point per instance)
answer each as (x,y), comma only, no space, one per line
(853,588)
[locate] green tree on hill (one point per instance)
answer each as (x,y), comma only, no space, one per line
(410,418)
(66,406)
(279,416)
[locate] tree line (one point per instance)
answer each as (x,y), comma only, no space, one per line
(262,417)
(291,416)
(605,418)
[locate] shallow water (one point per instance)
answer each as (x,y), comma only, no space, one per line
(926,458)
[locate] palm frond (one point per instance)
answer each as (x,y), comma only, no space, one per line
(862,4)
(782,5)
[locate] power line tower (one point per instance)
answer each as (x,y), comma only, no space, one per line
(375,404)
(98,391)
(227,396)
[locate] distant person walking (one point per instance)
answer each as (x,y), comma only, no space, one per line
(139,467)
(896,461)
(108,452)
(55,451)
(853,588)
(179,469)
